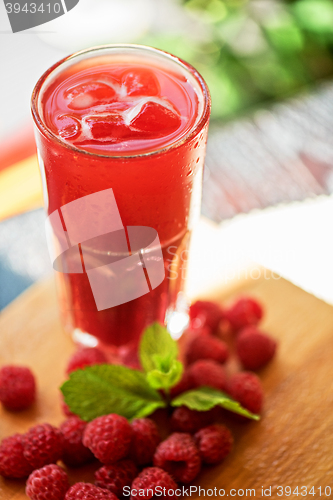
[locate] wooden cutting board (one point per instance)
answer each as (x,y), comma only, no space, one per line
(292,444)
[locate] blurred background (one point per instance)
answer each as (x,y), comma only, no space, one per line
(269,168)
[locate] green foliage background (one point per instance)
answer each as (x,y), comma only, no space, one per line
(254,51)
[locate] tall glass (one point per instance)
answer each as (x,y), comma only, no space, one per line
(120,218)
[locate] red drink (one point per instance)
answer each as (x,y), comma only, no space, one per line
(134,120)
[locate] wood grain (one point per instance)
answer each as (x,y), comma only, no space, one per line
(291,446)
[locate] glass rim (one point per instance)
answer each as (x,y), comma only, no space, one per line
(192,132)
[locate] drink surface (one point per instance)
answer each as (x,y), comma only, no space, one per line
(111,106)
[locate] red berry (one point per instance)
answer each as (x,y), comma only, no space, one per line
(17,387)
(115,477)
(244,312)
(75,453)
(48,483)
(42,445)
(214,443)
(186,420)
(254,348)
(86,357)
(151,478)
(65,408)
(179,456)
(108,437)
(209,373)
(144,441)
(207,347)
(206,313)
(13,464)
(87,491)
(246,388)
(185,384)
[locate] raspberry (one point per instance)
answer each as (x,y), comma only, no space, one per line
(179,456)
(85,357)
(185,384)
(207,347)
(65,408)
(144,441)
(75,453)
(87,491)
(151,478)
(246,388)
(206,313)
(108,437)
(254,348)
(208,372)
(42,445)
(17,387)
(185,420)
(214,443)
(48,483)
(244,312)
(115,477)
(12,461)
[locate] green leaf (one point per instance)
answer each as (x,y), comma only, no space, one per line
(157,349)
(102,389)
(205,398)
(158,352)
(164,380)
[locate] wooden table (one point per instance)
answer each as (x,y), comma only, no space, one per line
(293,443)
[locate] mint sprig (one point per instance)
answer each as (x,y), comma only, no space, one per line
(158,354)
(102,389)
(205,398)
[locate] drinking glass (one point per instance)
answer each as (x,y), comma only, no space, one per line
(119,220)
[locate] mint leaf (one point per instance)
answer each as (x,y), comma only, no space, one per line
(157,348)
(158,355)
(205,398)
(164,380)
(102,389)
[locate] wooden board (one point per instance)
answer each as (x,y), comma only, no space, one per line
(291,446)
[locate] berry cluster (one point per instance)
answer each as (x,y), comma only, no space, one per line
(217,336)
(132,455)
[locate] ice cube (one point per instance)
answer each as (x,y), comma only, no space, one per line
(140,82)
(109,126)
(68,126)
(155,120)
(86,95)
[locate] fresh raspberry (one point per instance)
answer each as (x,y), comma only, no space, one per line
(42,445)
(87,491)
(185,384)
(144,441)
(246,388)
(85,357)
(17,387)
(208,372)
(206,313)
(184,419)
(179,456)
(108,437)
(214,443)
(13,464)
(48,483)
(115,477)
(65,408)
(128,356)
(207,347)
(75,453)
(254,348)
(244,312)
(151,478)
